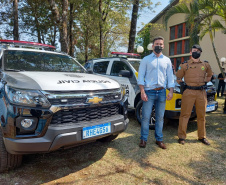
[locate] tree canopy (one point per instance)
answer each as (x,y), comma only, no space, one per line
(85,29)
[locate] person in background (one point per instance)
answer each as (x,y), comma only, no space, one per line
(213,78)
(155,72)
(221,84)
(196,74)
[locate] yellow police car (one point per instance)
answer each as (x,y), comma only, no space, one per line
(123,67)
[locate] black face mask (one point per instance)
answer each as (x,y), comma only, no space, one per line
(195,55)
(158,49)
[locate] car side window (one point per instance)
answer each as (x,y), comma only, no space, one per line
(118,66)
(0,62)
(100,67)
(1,54)
(87,65)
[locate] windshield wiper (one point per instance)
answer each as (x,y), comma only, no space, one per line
(16,70)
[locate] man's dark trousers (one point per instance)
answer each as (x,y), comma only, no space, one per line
(221,85)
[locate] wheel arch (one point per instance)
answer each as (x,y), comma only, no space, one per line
(137,99)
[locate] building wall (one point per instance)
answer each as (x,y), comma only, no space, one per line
(205,43)
(175,19)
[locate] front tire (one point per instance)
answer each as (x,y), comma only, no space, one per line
(139,115)
(8,161)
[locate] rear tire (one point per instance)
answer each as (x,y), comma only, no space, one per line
(8,161)
(108,138)
(139,115)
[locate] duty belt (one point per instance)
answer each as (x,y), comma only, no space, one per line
(197,87)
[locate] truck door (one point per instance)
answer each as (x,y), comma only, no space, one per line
(126,82)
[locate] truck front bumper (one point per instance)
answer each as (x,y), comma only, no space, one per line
(58,137)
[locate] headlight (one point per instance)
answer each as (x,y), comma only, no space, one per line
(176,89)
(29,98)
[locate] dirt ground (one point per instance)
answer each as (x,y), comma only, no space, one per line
(123,162)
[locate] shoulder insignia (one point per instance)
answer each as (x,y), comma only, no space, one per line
(184,62)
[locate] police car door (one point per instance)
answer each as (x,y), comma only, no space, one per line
(115,67)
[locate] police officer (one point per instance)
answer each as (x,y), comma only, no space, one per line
(196,73)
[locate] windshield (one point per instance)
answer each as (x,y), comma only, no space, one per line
(39,61)
(135,63)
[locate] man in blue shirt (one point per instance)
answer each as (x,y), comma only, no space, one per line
(155,73)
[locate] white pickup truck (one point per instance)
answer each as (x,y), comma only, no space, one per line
(48,101)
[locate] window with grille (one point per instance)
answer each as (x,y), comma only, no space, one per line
(172,33)
(180,31)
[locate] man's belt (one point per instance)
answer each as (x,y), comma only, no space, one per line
(197,87)
(158,89)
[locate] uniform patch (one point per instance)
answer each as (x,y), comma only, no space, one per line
(203,68)
(179,68)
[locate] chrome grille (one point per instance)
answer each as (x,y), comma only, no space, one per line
(80,98)
(84,114)
(68,101)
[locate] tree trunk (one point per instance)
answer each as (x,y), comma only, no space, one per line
(37,28)
(86,44)
(54,36)
(86,53)
(215,52)
(63,23)
(64,39)
(71,38)
(43,39)
(133,26)
(101,29)
(15,15)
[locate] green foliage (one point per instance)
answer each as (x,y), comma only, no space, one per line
(37,20)
(37,23)
(6,17)
(192,13)
(144,37)
(115,24)
(200,21)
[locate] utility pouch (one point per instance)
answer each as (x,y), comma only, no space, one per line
(183,87)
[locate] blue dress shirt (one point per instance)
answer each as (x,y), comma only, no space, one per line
(155,72)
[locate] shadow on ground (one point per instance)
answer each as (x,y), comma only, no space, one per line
(44,168)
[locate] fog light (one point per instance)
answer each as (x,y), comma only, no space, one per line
(179,102)
(26,123)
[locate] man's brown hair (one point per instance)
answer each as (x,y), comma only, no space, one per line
(158,38)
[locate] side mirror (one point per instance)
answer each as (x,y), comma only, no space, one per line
(124,73)
(89,71)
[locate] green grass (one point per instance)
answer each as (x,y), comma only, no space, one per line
(123,162)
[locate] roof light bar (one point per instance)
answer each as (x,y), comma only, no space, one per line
(121,53)
(29,44)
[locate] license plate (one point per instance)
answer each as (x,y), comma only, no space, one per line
(96,130)
(210,108)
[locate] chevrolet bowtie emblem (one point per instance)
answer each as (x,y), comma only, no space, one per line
(94,100)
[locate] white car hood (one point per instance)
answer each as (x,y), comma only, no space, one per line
(59,81)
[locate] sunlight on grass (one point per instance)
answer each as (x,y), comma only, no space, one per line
(123,162)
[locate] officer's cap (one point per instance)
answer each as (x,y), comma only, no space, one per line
(197,47)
